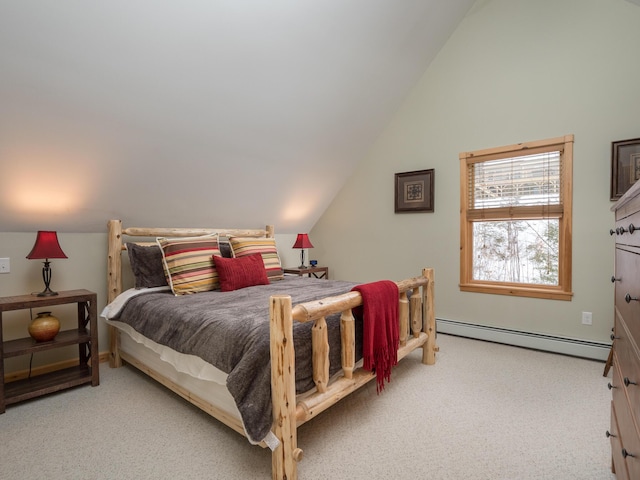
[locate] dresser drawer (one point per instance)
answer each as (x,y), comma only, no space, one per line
(627,430)
(628,358)
(619,463)
(626,223)
(628,288)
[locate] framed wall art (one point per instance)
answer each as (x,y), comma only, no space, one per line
(625,166)
(414,191)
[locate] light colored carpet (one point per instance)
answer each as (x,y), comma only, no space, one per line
(483,412)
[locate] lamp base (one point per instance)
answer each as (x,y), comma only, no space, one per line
(302,265)
(47,292)
(46,276)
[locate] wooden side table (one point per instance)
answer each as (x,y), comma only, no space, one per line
(317,272)
(87,370)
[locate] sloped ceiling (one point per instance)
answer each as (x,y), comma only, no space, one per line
(199,112)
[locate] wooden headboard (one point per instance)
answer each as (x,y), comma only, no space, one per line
(117,245)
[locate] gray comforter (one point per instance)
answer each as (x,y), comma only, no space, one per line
(231,331)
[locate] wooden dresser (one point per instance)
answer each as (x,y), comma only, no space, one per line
(624,432)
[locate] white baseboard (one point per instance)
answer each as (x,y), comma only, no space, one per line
(548,343)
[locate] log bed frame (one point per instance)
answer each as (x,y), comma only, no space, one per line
(419,331)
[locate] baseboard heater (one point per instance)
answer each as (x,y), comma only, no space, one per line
(537,341)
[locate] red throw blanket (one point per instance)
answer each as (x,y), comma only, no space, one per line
(379,312)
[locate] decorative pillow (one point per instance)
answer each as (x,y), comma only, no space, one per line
(236,273)
(146,264)
(243,246)
(225,248)
(188,263)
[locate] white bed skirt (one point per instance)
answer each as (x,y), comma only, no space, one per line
(187,371)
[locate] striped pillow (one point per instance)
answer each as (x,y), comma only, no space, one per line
(188,263)
(243,246)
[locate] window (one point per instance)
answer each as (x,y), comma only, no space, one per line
(515,219)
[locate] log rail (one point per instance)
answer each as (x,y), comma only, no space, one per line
(417,330)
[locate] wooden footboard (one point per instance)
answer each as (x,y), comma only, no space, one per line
(416,331)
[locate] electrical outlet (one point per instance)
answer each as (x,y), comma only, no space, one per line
(5,265)
(587,318)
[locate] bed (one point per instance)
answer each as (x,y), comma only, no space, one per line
(287,349)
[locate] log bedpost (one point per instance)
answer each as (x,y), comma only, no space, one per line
(270,231)
(114,260)
(283,389)
(114,284)
(429,318)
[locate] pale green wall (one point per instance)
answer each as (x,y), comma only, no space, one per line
(513,71)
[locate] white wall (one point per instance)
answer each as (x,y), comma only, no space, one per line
(513,71)
(255,108)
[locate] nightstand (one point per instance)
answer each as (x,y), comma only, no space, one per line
(317,272)
(87,370)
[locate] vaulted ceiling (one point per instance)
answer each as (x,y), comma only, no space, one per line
(228,113)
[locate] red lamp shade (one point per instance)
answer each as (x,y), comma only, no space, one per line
(46,246)
(303,241)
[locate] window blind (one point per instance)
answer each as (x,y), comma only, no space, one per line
(530,184)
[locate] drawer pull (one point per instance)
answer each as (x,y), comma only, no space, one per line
(628,382)
(632,228)
(609,434)
(612,231)
(613,337)
(626,454)
(614,279)
(621,230)
(628,298)
(609,386)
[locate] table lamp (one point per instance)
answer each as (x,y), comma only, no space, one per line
(302,242)
(46,247)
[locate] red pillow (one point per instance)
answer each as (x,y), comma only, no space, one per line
(236,273)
